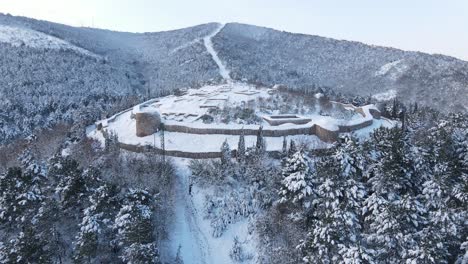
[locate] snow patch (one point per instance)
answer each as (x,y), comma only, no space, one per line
(392,69)
(209,47)
(17,37)
(385,96)
(186,45)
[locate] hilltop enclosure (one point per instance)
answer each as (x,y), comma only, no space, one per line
(199,120)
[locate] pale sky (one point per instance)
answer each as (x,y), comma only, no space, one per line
(433,26)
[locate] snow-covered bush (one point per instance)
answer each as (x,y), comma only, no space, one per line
(224,209)
(238,253)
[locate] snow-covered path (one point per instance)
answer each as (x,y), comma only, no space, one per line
(186,231)
(209,47)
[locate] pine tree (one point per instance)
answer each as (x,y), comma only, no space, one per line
(94,227)
(442,230)
(284,150)
(86,245)
(297,182)
(335,233)
(22,190)
(111,142)
(135,229)
(292,148)
(260,144)
(241,148)
(392,210)
(71,186)
(225,153)
(9,208)
(27,247)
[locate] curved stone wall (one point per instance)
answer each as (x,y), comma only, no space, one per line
(148,123)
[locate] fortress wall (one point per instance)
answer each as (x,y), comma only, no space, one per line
(238,132)
(375,113)
(351,128)
(171,153)
(324,134)
(148,123)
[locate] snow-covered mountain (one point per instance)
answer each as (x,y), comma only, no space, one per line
(271,57)
(54,70)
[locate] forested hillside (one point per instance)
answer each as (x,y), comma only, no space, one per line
(91,69)
(399,196)
(273,57)
(101,207)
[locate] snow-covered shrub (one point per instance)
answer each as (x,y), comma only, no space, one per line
(238,253)
(224,209)
(235,114)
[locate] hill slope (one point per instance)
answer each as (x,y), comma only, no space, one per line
(300,61)
(53,72)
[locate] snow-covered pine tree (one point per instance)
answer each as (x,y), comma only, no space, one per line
(225,153)
(86,244)
(9,209)
(135,228)
(260,144)
(392,210)
(297,183)
(443,229)
(71,186)
(22,190)
(95,228)
(111,142)
(27,247)
(284,149)
(292,148)
(241,148)
(336,220)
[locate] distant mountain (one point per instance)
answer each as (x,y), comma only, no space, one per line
(271,57)
(53,72)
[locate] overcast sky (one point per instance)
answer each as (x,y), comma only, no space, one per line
(434,26)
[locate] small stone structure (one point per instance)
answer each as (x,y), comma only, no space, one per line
(276,120)
(147,123)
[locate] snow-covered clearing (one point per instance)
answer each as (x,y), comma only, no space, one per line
(385,96)
(209,47)
(18,36)
(193,233)
(184,46)
(392,69)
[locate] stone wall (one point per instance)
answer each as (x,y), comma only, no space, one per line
(238,132)
(351,128)
(324,134)
(171,153)
(148,123)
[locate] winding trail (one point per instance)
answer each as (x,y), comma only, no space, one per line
(223,71)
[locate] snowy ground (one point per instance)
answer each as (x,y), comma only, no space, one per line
(17,36)
(193,233)
(185,231)
(385,96)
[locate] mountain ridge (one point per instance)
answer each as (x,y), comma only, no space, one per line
(145,65)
